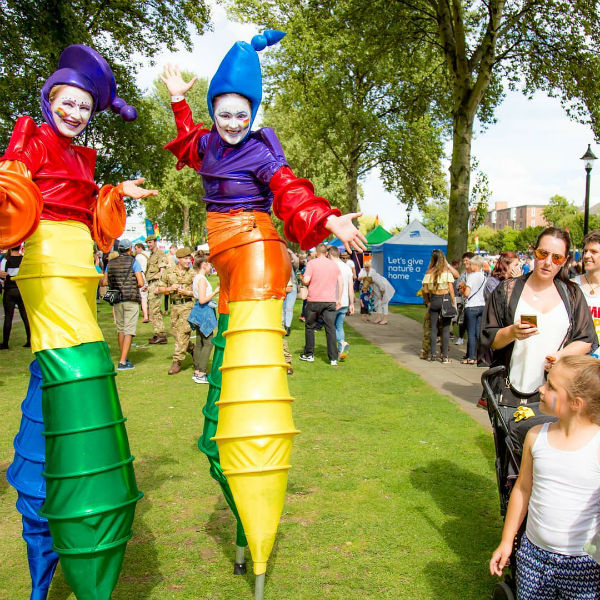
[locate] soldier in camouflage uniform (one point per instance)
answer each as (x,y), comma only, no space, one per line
(177,282)
(157,263)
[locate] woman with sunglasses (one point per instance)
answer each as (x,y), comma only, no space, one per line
(533,320)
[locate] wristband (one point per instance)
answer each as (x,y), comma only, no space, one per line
(177,99)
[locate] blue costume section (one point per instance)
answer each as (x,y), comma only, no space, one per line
(25,475)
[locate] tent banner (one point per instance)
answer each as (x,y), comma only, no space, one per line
(404,267)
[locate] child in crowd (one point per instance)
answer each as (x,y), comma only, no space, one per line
(559,484)
(367,299)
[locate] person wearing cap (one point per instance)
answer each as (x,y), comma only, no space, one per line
(176,282)
(124,273)
(49,198)
(245,174)
(157,263)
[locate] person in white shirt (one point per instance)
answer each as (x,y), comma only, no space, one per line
(558,489)
(473,292)
(589,283)
(346,302)
(141,256)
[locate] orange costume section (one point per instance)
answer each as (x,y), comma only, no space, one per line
(249,256)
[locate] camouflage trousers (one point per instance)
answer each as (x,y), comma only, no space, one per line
(181,329)
(154,303)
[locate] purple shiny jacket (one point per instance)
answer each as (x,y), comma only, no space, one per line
(238,176)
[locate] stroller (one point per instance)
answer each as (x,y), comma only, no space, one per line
(509,437)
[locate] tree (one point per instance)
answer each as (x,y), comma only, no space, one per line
(343,102)
(33,33)
(559,211)
(435,217)
(483,46)
(179,209)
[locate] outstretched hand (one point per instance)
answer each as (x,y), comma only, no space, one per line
(343,228)
(175,83)
(131,188)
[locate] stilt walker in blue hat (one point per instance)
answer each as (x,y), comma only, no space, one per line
(248,427)
(48,199)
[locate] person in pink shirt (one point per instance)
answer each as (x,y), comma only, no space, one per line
(325,286)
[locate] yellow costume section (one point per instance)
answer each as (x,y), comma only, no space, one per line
(60,293)
(256,430)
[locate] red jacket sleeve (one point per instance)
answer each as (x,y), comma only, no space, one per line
(185,145)
(303,213)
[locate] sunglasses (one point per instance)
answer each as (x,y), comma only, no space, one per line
(557,259)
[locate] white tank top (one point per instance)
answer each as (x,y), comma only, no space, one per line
(563,508)
(528,356)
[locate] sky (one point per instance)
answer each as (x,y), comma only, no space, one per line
(531,153)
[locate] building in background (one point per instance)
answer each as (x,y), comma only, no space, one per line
(516,217)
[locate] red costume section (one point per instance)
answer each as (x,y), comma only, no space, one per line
(294,200)
(63,172)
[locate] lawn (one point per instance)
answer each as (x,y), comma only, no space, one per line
(391,494)
(412,311)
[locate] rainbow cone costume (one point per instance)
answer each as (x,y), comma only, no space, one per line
(256,429)
(51,201)
(248,410)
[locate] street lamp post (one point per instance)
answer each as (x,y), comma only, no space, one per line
(589,159)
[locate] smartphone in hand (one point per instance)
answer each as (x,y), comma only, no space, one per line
(529,319)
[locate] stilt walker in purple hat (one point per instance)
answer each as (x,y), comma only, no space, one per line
(49,199)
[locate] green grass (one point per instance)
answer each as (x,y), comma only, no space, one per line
(391,494)
(412,311)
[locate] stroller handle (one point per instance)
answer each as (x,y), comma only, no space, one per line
(490,373)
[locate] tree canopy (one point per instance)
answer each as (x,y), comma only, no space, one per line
(179,209)
(341,95)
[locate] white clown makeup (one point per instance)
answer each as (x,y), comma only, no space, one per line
(71,110)
(232,117)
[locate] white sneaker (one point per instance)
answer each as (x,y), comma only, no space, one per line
(333,363)
(307,357)
(199,378)
(459,341)
(344,351)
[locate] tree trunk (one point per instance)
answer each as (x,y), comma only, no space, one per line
(186,224)
(352,186)
(460,179)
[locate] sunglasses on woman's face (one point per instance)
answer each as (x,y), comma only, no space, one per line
(557,259)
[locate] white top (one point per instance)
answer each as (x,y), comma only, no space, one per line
(348,278)
(563,508)
(529,356)
(593,301)
(195,286)
(476,284)
(13,271)
(386,289)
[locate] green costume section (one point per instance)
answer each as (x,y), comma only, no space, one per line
(211,419)
(90,483)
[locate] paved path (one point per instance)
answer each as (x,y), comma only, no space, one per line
(401,339)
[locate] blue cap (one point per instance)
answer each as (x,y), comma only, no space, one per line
(239,72)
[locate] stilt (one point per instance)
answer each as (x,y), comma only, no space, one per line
(259,586)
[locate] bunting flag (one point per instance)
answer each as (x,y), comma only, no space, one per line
(376,220)
(149,227)
(156,231)
(476,242)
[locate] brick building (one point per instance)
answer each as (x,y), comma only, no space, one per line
(516,217)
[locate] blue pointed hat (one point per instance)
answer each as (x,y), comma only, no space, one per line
(239,72)
(83,67)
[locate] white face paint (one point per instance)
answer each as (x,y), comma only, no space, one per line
(232,117)
(71,110)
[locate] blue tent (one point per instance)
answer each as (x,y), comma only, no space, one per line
(403,260)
